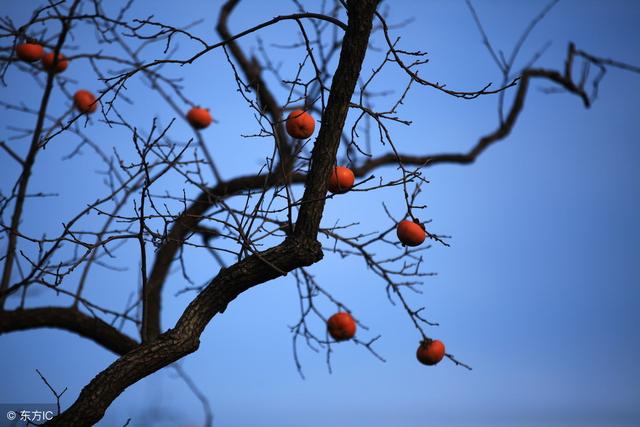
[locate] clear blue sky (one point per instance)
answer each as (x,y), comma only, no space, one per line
(539,291)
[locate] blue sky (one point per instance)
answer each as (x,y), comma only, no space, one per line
(539,290)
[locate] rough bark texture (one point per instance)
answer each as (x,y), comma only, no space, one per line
(344,81)
(299,250)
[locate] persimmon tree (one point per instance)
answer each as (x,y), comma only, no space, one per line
(257,227)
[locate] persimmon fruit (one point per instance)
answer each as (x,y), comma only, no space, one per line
(430,352)
(411,233)
(341,180)
(300,124)
(47,63)
(85,101)
(199,118)
(29,52)
(341,326)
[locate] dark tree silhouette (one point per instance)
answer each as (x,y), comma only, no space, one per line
(276,229)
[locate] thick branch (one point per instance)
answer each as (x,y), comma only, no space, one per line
(342,87)
(183,227)
(483,143)
(176,343)
(253,73)
(68,319)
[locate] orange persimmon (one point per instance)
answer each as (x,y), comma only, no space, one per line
(410,233)
(199,118)
(85,101)
(341,180)
(430,352)
(300,124)
(47,63)
(341,326)
(29,52)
